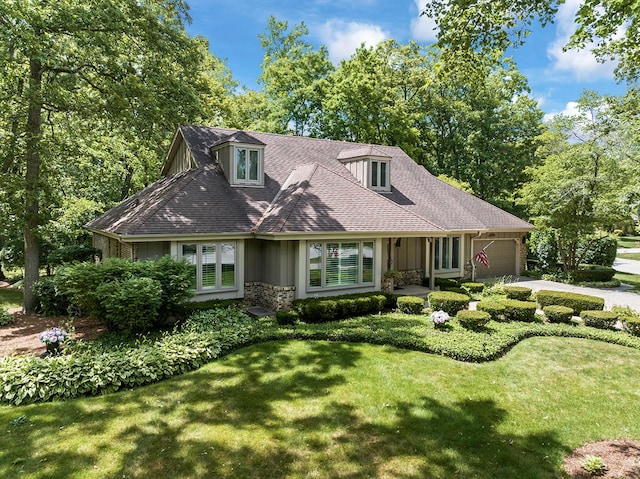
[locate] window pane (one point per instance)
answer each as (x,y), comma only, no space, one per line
(455,252)
(208,266)
(315,265)
(342,263)
(383,174)
(374,173)
(445,253)
(332,264)
(436,259)
(367,262)
(190,254)
(228,265)
(253,165)
(241,164)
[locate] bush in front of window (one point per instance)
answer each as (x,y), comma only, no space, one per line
(448,301)
(318,310)
(132,304)
(473,287)
(410,304)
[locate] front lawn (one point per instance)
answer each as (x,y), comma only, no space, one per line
(633,256)
(630,279)
(294,409)
(629,242)
(10,298)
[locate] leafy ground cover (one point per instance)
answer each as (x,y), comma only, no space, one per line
(291,409)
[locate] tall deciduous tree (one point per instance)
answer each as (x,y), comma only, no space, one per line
(129,62)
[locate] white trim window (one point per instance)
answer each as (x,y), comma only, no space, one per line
(248,166)
(379,175)
(214,264)
(447,253)
(334,264)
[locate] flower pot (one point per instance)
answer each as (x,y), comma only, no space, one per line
(54,348)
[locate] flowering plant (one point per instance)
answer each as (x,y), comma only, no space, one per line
(439,317)
(53,336)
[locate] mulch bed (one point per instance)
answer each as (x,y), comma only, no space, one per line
(620,456)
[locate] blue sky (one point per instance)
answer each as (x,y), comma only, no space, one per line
(556,78)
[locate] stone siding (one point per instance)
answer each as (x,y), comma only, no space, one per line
(412,276)
(269,296)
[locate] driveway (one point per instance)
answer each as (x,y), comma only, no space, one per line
(627,265)
(612,296)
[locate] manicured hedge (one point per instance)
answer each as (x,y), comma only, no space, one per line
(593,273)
(517,292)
(494,308)
(473,287)
(633,326)
(515,310)
(473,320)
(577,302)
(321,310)
(287,316)
(448,301)
(558,314)
(410,304)
(599,319)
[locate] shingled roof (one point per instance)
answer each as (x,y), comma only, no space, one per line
(306,189)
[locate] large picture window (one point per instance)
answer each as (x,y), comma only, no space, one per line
(214,264)
(447,253)
(247,167)
(335,264)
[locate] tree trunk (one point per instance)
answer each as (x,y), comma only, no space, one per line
(31,189)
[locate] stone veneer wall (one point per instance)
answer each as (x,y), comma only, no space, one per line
(412,276)
(269,296)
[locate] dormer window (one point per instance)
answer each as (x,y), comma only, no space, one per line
(248,166)
(379,175)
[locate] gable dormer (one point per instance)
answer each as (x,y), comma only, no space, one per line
(241,157)
(370,166)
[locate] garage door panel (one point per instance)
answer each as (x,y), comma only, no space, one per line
(502,258)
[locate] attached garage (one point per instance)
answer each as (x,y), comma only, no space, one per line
(503,258)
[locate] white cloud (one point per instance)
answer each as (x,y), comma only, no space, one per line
(580,64)
(570,109)
(343,38)
(423,28)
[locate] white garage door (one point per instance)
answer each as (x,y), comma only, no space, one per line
(502,258)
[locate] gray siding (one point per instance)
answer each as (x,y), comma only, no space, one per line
(271,262)
(410,254)
(224,158)
(182,160)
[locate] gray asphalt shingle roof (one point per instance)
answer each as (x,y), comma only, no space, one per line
(307,189)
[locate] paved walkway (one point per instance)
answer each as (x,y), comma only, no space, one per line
(627,265)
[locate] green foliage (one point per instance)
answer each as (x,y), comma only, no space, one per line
(593,273)
(517,292)
(443,283)
(175,281)
(473,320)
(312,310)
(448,302)
(410,304)
(558,314)
(633,326)
(515,310)
(194,306)
(73,254)
(494,308)
(577,302)
(287,317)
(131,304)
(51,302)
(6,318)
(543,245)
(472,287)
(600,249)
(599,319)
(594,465)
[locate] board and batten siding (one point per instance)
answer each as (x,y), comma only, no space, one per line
(183,160)
(271,262)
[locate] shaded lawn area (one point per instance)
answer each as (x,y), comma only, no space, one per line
(10,298)
(294,409)
(629,242)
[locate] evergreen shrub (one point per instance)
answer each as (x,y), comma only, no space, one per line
(576,301)
(516,310)
(472,287)
(410,305)
(473,320)
(494,308)
(448,301)
(558,314)
(517,292)
(599,319)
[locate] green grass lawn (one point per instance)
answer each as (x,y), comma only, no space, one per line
(628,278)
(629,242)
(10,298)
(296,409)
(634,256)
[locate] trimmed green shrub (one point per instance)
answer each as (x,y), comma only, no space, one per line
(630,317)
(599,319)
(455,290)
(473,320)
(517,292)
(448,301)
(287,317)
(50,301)
(593,273)
(633,326)
(6,318)
(495,309)
(194,306)
(446,283)
(131,304)
(515,310)
(601,251)
(410,305)
(341,307)
(472,287)
(558,314)
(576,301)
(175,281)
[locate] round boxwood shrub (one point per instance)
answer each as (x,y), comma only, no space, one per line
(495,309)
(599,319)
(515,310)
(473,320)
(448,301)
(287,317)
(517,292)
(558,314)
(593,273)
(472,287)
(577,302)
(410,304)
